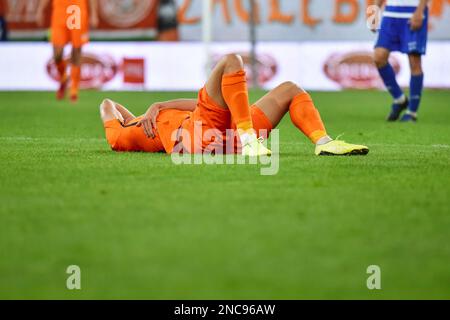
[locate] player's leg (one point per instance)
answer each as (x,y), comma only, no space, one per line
(288,97)
(416,87)
(78,37)
(415,44)
(230,64)
(59,39)
(387,73)
(75,73)
(227,86)
(58,56)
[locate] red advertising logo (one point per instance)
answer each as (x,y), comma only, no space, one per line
(355,70)
(133,70)
(95,70)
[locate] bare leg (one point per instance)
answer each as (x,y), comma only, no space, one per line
(381,57)
(58,53)
(110,110)
(76,57)
(276,103)
(290,98)
(415,62)
(227,86)
(229,64)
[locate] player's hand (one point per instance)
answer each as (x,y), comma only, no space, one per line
(148,122)
(94,21)
(416,21)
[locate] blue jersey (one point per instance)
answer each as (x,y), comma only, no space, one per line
(395,31)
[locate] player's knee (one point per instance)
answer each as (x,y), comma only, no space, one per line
(58,57)
(416,70)
(380,60)
(416,65)
(76,56)
(234,61)
(58,54)
(291,88)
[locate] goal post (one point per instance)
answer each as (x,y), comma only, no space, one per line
(207,33)
(253,41)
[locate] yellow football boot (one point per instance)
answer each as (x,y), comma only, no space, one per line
(254,147)
(341,148)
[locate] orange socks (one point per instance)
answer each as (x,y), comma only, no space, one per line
(305,116)
(235,94)
(61,66)
(75,75)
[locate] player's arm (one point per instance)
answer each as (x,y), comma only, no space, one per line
(179,104)
(93,13)
(126,114)
(148,122)
(417,19)
(40,12)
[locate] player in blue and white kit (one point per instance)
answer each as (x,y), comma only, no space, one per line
(404,28)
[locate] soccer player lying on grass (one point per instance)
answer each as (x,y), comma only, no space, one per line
(222,105)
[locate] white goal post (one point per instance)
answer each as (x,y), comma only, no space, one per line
(208,31)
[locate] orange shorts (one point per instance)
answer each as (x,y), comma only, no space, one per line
(62,36)
(130,138)
(62,32)
(212,126)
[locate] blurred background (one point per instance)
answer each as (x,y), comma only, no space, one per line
(171,44)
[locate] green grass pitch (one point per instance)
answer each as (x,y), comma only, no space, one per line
(140,227)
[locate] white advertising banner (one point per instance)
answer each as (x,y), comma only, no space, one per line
(183,66)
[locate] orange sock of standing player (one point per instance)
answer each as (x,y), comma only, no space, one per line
(305,116)
(61,67)
(235,94)
(75,74)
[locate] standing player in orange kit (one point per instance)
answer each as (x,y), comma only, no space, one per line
(69,24)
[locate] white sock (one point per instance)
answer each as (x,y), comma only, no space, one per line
(400,100)
(324,140)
